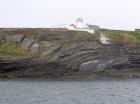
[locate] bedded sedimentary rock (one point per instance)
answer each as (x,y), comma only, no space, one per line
(54,50)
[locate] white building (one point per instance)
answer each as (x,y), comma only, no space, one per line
(80,25)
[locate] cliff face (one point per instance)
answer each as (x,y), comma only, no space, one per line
(53,50)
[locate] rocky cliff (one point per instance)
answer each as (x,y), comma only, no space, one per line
(60,50)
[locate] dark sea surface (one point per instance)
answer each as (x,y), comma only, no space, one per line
(70,91)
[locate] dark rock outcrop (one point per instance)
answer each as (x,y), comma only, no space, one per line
(69,51)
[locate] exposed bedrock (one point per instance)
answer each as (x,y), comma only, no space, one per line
(55,50)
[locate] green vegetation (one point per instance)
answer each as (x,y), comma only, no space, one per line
(9,49)
(121,35)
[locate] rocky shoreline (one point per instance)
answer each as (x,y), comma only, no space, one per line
(116,74)
(58,52)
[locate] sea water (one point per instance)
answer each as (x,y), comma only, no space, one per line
(70,91)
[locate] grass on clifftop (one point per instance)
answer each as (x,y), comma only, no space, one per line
(9,49)
(122,36)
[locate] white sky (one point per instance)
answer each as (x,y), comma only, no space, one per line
(116,14)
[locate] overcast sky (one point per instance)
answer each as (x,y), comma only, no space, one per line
(116,14)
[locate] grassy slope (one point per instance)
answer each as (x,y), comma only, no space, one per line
(122,36)
(9,49)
